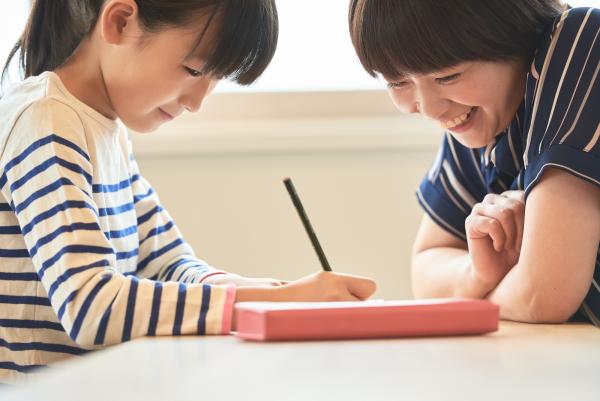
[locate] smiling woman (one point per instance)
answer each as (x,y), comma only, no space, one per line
(462,99)
(515,85)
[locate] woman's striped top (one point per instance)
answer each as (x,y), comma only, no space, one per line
(557,124)
(88,256)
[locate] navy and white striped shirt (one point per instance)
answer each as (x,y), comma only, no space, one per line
(88,256)
(557,124)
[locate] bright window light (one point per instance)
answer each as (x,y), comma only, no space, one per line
(314,52)
(13,16)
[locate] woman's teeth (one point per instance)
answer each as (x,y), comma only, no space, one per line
(457,120)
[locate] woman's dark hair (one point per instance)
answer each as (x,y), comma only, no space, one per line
(245,41)
(397,37)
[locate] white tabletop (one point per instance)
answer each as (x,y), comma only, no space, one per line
(519,362)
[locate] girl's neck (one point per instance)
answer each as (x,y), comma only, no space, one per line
(82,76)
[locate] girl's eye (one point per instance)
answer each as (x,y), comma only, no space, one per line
(192,72)
(448,78)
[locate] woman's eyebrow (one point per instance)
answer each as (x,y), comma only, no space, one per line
(452,69)
(397,78)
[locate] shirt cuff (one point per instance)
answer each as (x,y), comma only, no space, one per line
(228,310)
(210,274)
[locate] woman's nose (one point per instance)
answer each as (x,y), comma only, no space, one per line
(429,105)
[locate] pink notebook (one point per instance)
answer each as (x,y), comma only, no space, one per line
(273,321)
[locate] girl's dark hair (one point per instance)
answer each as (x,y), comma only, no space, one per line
(245,41)
(397,37)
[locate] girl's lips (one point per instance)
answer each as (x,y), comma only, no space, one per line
(465,125)
(165,115)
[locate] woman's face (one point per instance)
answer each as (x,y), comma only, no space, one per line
(474,101)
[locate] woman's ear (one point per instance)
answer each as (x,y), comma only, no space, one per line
(118,20)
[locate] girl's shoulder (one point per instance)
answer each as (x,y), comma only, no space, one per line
(41,106)
(38,100)
(34,108)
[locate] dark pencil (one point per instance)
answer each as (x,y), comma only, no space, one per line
(307,226)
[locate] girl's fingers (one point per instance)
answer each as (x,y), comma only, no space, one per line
(360,287)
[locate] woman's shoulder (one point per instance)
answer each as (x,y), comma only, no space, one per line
(578,19)
(575,27)
(570,38)
(578,13)
(577,24)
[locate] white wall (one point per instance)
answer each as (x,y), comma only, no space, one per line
(224,188)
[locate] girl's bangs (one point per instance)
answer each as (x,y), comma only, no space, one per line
(246,40)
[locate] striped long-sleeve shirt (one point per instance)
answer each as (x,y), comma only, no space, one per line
(557,124)
(88,256)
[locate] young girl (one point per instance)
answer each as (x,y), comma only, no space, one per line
(89,256)
(512,202)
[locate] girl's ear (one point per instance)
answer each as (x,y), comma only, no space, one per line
(118,20)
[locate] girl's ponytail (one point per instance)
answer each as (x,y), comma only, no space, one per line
(54,30)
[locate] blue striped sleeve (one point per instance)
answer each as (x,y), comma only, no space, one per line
(453,185)
(51,190)
(564,129)
(563,100)
(163,253)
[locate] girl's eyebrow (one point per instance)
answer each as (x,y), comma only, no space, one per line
(196,57)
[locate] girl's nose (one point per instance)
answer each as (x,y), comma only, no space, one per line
(193,99)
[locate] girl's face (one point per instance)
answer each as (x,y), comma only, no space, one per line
(474,101)
(151,78)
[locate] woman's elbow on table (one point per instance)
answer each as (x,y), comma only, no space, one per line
(550,306)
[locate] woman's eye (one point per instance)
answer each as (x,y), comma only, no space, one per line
(448,78)
(192,72)
(396,85)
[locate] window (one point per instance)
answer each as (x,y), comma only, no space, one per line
(314,95)
(13,15)
(314,52)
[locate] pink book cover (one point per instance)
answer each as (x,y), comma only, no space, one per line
(277,321)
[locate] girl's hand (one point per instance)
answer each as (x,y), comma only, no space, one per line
(320,286)
(494,236)
(241,281)
(327,286)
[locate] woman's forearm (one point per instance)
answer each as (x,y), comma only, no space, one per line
(446,272)
(523,297)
